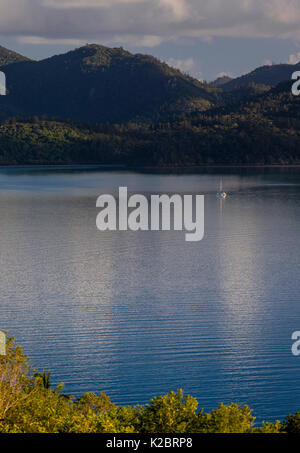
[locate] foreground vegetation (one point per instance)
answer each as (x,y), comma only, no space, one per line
(29,405)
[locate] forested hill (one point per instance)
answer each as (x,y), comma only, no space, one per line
(8,57)
(263,130)
(266,75)
(100,84)
(102,105)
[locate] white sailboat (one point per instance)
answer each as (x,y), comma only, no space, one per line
(221,194)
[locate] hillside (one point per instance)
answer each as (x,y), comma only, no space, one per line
(102,105)
(8,57)
(220,81)
(100,84)
(264,130)
(265,75)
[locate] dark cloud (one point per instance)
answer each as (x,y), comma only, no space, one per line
(146,22)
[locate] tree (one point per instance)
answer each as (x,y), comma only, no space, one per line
(227,419)
(91,402)
(171,413)
(13,377)
(291,424)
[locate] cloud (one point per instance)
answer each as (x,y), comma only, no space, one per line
(49,41)
(144,41)
(179,8)
(268,62)
(147,22)
(225,74)
(67,4)
(185,65)
(294,59)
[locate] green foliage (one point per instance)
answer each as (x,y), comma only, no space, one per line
(291,424)
(268,428)
(14,381)
(44,381)
(40,411)
(9,57)
(91,402)
(268,75)
(119,420)
(45,378)
(264,131)
(29,405)
(227,419)
(138,111)
(172,413)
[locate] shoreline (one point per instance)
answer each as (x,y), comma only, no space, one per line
(134,167)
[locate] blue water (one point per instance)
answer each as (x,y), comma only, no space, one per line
(139,314)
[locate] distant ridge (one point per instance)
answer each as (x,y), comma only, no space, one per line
(8,57)
(100,84)
(265,75)
(220,81)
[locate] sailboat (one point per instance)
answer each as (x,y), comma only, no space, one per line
(221,194)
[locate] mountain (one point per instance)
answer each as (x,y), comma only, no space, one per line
(101,105)
(101,84)
(220,81)
(265,75)
(243,93)
(8,57)
(262,131)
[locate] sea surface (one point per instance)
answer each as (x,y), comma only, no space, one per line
(138,314)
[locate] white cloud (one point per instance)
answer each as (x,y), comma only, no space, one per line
(38,40)
(225,74)
(185,65)
(294,59)
(148,22)
(179,8)
(144,41)
(67,4)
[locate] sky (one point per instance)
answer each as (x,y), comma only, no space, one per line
(205,38)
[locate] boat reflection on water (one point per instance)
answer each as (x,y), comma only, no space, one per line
(221,194)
